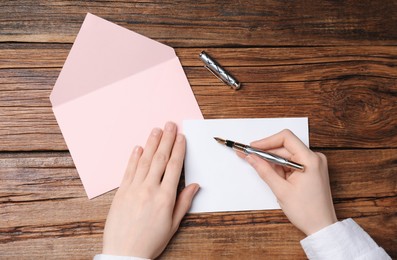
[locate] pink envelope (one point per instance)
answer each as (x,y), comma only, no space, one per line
(115,86)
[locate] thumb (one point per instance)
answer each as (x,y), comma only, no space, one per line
(267,173)
(183,203)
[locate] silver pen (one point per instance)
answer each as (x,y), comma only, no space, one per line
(218,71)
(270,157)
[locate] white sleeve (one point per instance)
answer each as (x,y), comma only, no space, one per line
(115,257)
(342,240)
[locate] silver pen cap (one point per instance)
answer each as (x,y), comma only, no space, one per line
(218,71)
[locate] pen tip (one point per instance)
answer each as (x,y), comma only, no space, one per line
(219,140)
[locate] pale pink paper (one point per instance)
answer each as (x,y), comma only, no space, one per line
(115,86)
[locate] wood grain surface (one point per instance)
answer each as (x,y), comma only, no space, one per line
(332,61)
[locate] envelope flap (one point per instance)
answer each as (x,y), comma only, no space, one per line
(103,53)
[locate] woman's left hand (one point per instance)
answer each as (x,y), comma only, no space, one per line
(145,212)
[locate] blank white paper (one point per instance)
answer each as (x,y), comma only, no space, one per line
(227,182)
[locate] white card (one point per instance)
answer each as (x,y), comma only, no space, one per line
(227,182)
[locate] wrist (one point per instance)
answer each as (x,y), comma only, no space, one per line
(317,226)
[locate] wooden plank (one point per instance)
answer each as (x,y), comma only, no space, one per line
(216,23)
(42,55)
(348,93)
(44,210)
(233,242)
(25,55)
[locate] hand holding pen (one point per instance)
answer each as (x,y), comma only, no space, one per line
(270,157)
(305,197)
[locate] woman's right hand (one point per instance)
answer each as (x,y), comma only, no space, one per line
(305,197)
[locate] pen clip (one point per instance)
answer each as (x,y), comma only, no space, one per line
(208,68)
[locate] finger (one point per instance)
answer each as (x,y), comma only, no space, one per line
(276,183)
(241,154)
(162,154)
(183,203)
(132,165)
(283,152)
(175,164)
(278,169)
(147,155)
(285,139)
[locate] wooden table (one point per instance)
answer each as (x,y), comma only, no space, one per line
(332,61)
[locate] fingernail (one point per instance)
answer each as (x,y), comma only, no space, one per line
(136,149)
(156,131)
(196,189)
(169,126)
(249,159)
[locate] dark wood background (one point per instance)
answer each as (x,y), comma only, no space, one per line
(332,61)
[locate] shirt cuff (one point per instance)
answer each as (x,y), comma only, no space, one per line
(342,240)
(116,257)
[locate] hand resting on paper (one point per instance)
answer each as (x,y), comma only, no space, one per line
(305,197)
(146,211)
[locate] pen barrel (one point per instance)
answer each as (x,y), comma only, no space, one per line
(238,146)
(218,71)
(274,158)
(267,156)
(294,165)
